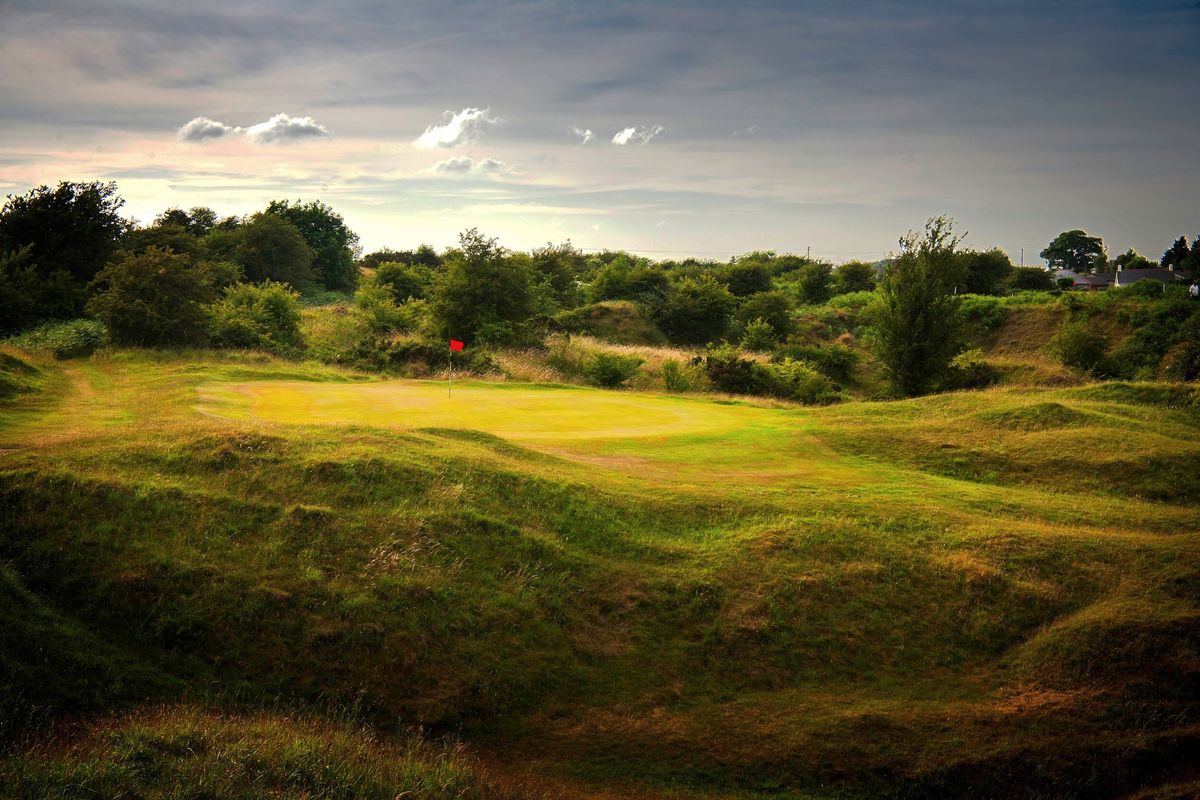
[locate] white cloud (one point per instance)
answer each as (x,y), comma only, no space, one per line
(462,165)
(745,131)
(641,135)
(460,128)
(202,128)
(282,128)
(279,128)
(585,134)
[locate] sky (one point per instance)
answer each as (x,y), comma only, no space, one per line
(673,129)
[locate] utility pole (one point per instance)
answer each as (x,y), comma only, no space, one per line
(808,251)
(1022,256)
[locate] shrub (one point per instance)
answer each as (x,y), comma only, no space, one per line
(402,280)
(376,304)
(759,336)
(981,312)
(774,308)
(610,370)
(729,372)
(695,311)
(1079,345)
(419,356)
(797,381)
(814,283)
(835,361)
(264,317)
(679,377)
(968,370)
(852,301)
(73,339)
(153,298)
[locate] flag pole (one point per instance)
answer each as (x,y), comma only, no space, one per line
(450,382)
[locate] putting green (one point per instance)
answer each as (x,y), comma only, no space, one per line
(518,412)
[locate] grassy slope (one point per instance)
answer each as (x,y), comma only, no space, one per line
(937,595)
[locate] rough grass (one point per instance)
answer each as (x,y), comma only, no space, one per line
(607,593)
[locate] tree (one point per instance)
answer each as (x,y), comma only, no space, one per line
(917,325)
(72,231)
(695,311)
(1031,279)
(402,280)
(559,267)
(853,276)
(198,222)
(152,298)
(163,234)
(1176,254)
(746,277)
(1074,250)
(335,247)
(19,291)
(773,308)
(814,282)
(986,271)
(1131,259)
(1192,262)
(269,248)
(483,294)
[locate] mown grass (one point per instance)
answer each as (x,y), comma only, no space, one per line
(745,599)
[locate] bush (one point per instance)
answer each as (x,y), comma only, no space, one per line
(419,356)
(774,308)
(402,280)
(835,361)
(679,377)
(729,372)
(376,304)
(814,283)
(1079,345)
(153,298)
(610,370)
(695,311)
(796,380)
(981,312)
(968,370)
(264,317)
(759,336)
(74,339)
(853,301)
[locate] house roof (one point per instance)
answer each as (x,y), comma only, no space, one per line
(1128,276)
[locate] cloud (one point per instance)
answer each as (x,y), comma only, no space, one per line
(282,128)
(641,135)
(462,165)
(202,128)
(460,128)
(585,134)
(279,128)
(745,131)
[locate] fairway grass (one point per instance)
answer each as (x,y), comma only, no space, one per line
(603,594)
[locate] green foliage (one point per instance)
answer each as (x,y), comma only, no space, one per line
(981,312)
(1176,255)
(679,378)
(20,291)
(199,221)
(402,280)
(424,256)
(854,301)
(1031,279)
(163,235)
(744,278)
(814,283)
(695,311)
(264,316)
(1074,250)
(269,248)
(71,339)
(854,276)
(1079,345)
(1157,328)
(987,271)
(483,294)
(74,227)
(835,361)
(774,308)
(618,321)
(610,370)
(622,279)
(917,325)
(153,299)
(759,336)
(1131,259)
(376,302)
(560,267)
(17,377)
(334,246)
(729,372)
(969,370)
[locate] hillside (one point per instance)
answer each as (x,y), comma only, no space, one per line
(600,593)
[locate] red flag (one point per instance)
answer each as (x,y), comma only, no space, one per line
(455,345)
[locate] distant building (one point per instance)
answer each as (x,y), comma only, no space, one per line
(1126,277)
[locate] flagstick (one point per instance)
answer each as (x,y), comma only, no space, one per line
(450,382)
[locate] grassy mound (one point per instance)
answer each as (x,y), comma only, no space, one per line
(623,593)
(187,752)
(17,376)
(617,321)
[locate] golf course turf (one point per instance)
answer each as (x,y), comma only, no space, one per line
(599,594)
